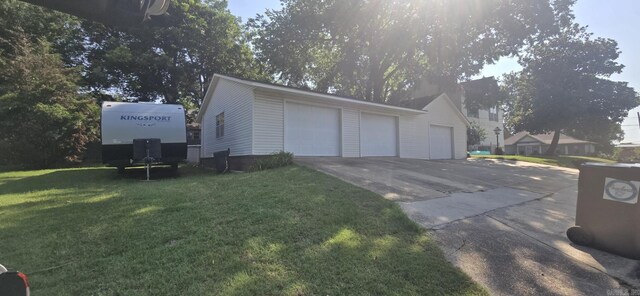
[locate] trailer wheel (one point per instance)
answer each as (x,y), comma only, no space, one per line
(121,170)
(174,167)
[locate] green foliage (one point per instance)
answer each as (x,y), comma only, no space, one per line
(561,161)
(173,58)
(626,154)
(43,120)
(565,85)
(475,134)
(275,160)
(62,31)
(380,50)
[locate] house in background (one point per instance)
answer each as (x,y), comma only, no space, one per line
(524,143)
(254,119)
(487,119)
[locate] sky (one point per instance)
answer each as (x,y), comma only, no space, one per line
(619,20)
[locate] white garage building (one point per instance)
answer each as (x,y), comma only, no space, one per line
(253,118)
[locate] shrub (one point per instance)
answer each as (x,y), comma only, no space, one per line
(627,154)
(275,160)
(499,151)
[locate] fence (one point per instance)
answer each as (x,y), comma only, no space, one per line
(193,154)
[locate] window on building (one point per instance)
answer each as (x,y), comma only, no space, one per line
(493,114)
(472,112)
(220,125)
(194,135)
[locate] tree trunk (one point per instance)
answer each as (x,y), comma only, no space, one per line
(554,143)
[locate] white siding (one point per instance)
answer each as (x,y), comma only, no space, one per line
(488,125)
(440,112)
(350,133)
(414,140)
(236,101)
(268,123)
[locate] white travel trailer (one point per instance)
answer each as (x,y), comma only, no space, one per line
(122,123)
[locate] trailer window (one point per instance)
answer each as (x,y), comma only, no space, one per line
(220,125)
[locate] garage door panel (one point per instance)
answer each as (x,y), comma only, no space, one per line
(312,130)
(440,142)
(379,135)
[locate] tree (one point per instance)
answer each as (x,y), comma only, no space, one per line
(62,31)
(475,134)
(44,121)
(378,50)
(565,86)
(172,58)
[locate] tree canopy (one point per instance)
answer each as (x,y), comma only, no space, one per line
(170,59)
(44,120)
(565,85)
(378,50)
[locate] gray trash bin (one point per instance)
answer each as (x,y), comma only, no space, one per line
(221,159)
(608,212)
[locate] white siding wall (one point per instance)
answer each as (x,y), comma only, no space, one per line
(268,125)
(350,133)
(441,113)
(236,101)
(414,141)
(488,126)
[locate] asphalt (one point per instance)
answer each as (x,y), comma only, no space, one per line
(501,222)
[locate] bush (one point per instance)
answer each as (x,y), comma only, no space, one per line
(628,154)
(499,151)
(275,160)
(45,120)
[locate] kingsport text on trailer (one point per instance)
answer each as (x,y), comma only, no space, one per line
(158,131)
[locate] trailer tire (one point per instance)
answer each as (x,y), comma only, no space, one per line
(174,167)
(121,170)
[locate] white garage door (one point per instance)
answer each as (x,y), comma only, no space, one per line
(378,135)
(312,130)
(441,142)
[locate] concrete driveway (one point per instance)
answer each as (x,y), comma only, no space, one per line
(503,223)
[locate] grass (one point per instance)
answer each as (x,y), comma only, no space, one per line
(290,231)
(561,161)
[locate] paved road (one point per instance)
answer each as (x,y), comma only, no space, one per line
(503,223)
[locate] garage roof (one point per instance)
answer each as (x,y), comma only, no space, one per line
(307,95)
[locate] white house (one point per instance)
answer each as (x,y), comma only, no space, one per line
(524,143)
(487,119)
(252,118)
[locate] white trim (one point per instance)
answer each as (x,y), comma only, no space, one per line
(329,98)
(359,133)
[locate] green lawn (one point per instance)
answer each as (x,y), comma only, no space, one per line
(561,161)
(287,231)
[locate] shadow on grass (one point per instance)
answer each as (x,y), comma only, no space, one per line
(285,231)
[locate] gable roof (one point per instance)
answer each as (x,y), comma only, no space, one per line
(323,97)
(418,103)
(543,139)
(422,103)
